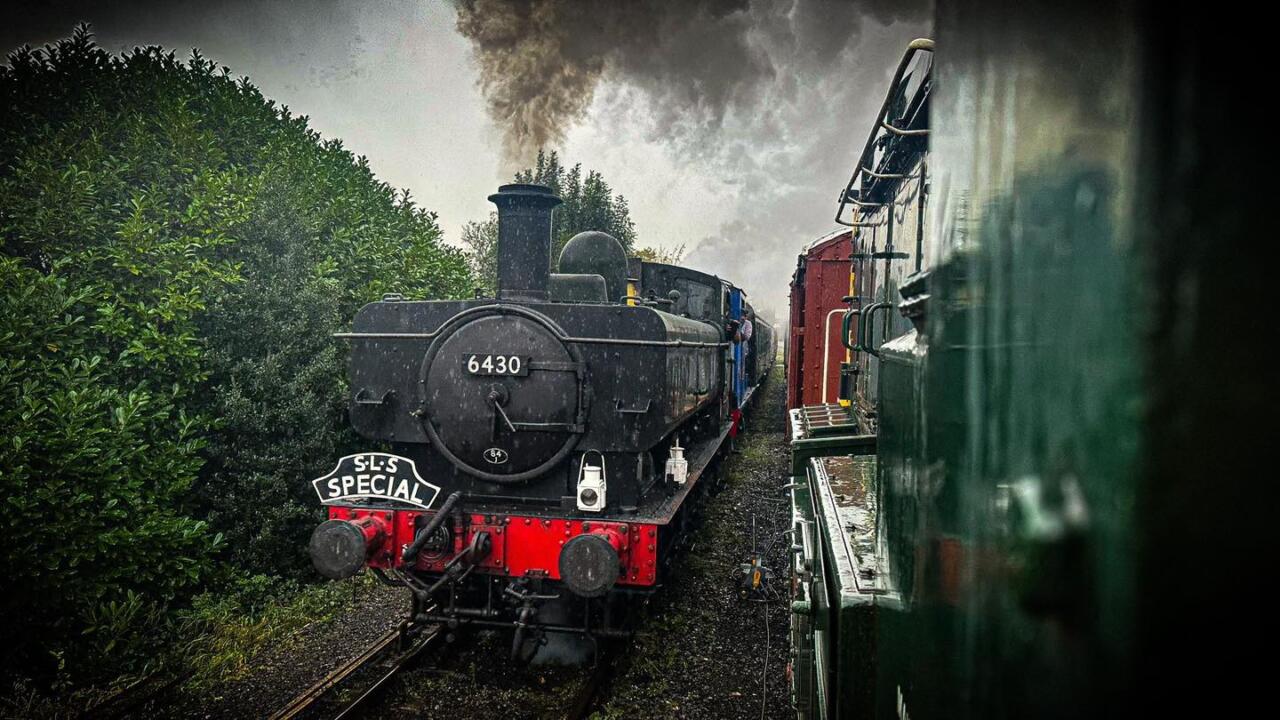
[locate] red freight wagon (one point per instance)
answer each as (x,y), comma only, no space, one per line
(814,350)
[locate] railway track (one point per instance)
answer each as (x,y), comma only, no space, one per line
(584,702)
(368,673)
(376,665)
(133,698)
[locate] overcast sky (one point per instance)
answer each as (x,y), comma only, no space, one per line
(743,179)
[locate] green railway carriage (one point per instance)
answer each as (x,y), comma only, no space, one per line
(839,557)
(1043,498)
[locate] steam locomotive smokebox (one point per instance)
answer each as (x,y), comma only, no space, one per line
(503,393)
(500,398)
(524,241)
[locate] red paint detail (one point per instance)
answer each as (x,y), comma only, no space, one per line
(951,558)
(520,545)
(816,291)
(736,417)
(615,536)
(374,528)
(375,525)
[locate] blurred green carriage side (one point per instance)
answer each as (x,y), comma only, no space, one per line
(1070,456)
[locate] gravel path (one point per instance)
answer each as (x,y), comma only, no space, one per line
(702,652)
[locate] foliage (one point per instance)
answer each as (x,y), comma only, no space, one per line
(175,253)
(481,241)
(666,256)
(257,612)
(210,643)
(325,239)
(95,462)
(589,204)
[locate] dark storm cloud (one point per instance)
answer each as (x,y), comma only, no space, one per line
(769,96)
(313,41)
(541,61)
(763,100)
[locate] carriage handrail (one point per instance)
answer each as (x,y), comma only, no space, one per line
(917,45)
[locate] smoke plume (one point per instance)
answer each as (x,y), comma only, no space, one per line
(770,96)
(541,61)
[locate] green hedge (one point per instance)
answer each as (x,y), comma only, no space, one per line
(175,251)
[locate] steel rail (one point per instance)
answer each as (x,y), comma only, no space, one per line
(586,698)
(308,698)
(407,657)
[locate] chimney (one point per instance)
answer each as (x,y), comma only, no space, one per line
(524,241)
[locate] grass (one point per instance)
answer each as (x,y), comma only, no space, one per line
(232,631)
(211,642)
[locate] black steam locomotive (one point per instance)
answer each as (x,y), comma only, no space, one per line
(539,452)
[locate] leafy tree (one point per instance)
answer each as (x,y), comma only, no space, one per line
(666,256)
(481,242)
(589,204)
(175,253)
(589,201)
(93,465)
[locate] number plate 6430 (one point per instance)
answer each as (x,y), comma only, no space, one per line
(478,364)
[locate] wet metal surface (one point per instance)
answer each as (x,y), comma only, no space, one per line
(852,482)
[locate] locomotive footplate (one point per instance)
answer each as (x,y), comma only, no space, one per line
(526,543)
(516,545)
(492,562)
(660,509)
